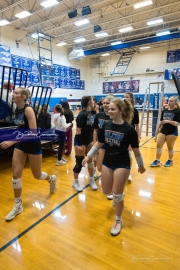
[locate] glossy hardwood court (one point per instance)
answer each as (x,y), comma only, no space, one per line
(69,230)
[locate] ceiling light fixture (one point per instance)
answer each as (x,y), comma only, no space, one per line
(144,48)
(155,22)
(143,4)
(82,22)
(62,43)
(4,22)
(126,29)
(163,33)
(102,34)
(35,35)
(105,54)
(116,43)
(49,3)
(23,14)
(79,40)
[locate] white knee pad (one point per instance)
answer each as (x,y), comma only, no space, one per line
(90,165)
(130,154)
(118,197)
(159,151)
(43,176)
(16,183)
(171,152)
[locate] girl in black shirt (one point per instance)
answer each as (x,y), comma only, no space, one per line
(83,141)
(167,131)
(25,119)
(135,123)
(117,136)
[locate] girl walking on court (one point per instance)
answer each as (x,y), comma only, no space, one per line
(83,141)
(25,119)
(167,131)
(117,136)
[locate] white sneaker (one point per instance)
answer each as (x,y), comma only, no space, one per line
(110,197)
(60,162)
(63,159)
(52,183)
(77,186)
(15,211)
(93,185)
(130,177)
(116,228)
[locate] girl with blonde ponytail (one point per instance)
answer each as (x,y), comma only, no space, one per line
(117,135)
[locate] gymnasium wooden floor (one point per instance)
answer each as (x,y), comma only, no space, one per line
(70,230)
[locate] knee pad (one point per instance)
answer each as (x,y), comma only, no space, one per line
(171,152)
(78,166)
(118,197)
(130,154)
(90,165)
(16,183)
(43,176)
(159,151)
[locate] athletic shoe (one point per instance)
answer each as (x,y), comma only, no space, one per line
(93,185)
(63,159)
(116,228)
(130,177)
(110,197)
(60,162)
(16,210)
(168,163)
(77,186)
(52,183)
(94,172)
(155,163)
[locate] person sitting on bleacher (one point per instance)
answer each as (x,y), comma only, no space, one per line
(7,95)
(44,118)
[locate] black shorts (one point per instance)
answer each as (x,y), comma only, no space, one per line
(33,148)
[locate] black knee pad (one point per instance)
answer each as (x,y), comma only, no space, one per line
(78,166)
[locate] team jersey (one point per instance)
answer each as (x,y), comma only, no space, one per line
(27,146)
(100,119)
(85,121)
(117,139)
(172,115)
(135,119)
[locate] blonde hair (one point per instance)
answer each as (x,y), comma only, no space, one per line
(109,98)
(125,108)
(24,92)
(176,99)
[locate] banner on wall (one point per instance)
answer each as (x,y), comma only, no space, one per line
(121,87)
(173,56)
(5,56)
(57,76)
(167,73)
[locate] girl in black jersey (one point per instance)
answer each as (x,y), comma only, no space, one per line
(135,123)
(117,135)
(25,119)
(167,131)
(83,141)
(99,120)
